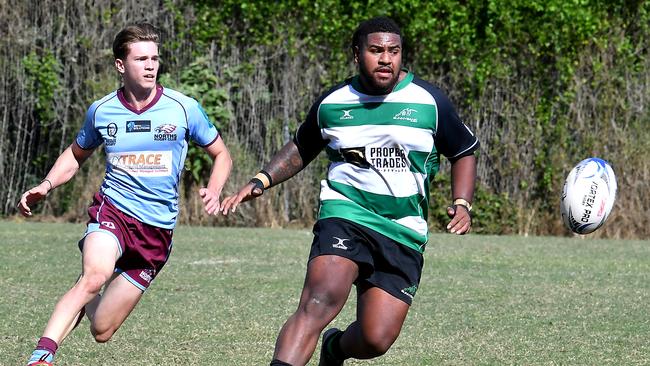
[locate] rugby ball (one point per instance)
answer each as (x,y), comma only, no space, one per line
(588,196)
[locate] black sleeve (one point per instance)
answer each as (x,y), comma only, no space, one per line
(453,138)
(308,138)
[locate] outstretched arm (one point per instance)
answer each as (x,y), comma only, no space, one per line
(65,167)
(285,164)
(221,167)
(463,179)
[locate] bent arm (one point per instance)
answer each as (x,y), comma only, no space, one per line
(463,180)
(67,164)
(285,164)
(65,167)
(221,167)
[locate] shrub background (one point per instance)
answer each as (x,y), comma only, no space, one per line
(544,84)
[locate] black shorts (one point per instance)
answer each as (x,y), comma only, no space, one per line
(383,262)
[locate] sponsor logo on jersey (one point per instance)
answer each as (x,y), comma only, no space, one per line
(165,133)
(111,131)
(138,126)
(142,163)
(108,224)
(346,114)
(410,291)
(339,243)
(406,114)
(392,159)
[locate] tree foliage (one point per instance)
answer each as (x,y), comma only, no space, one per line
(544,84)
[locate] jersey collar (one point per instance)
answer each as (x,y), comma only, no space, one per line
(127,105)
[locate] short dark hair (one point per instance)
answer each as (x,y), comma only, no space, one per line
(138,32)
(374,25)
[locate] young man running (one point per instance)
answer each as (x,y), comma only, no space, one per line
(145,130)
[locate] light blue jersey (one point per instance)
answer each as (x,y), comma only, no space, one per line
(145,150)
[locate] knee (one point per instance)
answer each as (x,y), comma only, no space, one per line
(92,283)
(102,335)
(378,342)
(318,305)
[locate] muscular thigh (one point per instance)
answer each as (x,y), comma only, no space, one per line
(118,300)
(380,314)
(330,277)
(99,254)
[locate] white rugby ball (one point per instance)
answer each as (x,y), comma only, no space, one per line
(588,196)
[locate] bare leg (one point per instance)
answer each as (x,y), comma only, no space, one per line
(99,255)
(327,286)
(380,317)
(108,312)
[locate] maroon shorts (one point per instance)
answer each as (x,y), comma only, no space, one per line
(144,249)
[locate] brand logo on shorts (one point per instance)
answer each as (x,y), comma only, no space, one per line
(346,114)
(410,291)
(147,274)
(339,243)
(108,224)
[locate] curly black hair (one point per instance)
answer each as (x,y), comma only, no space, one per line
(375,25)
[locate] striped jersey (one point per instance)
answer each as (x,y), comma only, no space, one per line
(145,150)
(384,150)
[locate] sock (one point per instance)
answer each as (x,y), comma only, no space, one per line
(277,362)
(333,346)
(47,344)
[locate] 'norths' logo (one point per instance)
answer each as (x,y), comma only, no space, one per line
(407,114)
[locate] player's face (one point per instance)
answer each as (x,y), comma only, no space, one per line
(380,61)
(139,69)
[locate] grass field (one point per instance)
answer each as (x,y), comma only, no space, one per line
(483,300)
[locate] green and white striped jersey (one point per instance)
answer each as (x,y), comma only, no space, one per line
(384,150)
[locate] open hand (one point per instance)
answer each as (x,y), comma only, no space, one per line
(461,221)
(246,193)
(30,198)
(210,199)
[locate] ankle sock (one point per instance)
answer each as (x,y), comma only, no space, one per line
(47,344)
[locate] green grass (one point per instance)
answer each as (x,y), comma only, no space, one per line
(225,293)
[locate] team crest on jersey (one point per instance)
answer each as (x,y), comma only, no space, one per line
(111,131)
(165,132)
(407,114)
(138,126)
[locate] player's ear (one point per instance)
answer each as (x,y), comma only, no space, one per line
(355,54)
(119,65)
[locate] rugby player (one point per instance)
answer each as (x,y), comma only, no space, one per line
(145,129)
(383,131)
